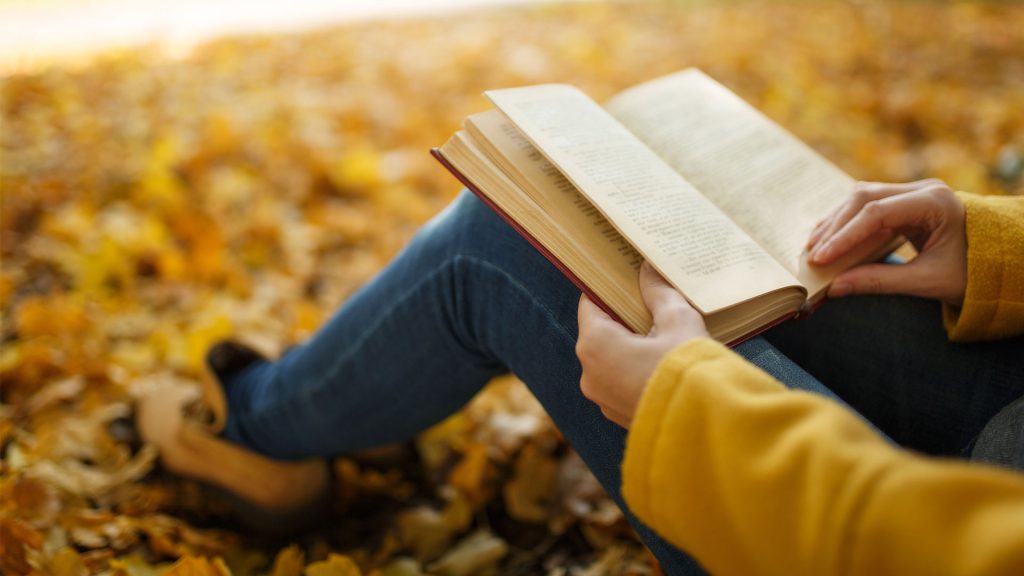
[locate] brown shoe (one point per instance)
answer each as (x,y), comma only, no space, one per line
(272,494)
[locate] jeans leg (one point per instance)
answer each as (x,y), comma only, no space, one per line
(764,355)
(467,299)
(889,358)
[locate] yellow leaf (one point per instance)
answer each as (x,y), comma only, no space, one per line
(335,565)
(134,565)
(472,474)
(358,171)
(530,493)
(67,562)
(436,444)
(171,264)
(478,553)
(289,562)
(425,532)
(308,317)
(50,316)
(198,566)
(158,184)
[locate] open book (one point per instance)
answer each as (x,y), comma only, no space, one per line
(678,171)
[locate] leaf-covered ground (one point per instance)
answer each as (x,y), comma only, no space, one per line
(153,204)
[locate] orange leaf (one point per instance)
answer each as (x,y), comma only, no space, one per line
(472,473)
(15,538)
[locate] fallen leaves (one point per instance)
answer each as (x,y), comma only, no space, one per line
(199,566)
(17,540)
(530,493)
(478,553)
(428,533)
(152,205)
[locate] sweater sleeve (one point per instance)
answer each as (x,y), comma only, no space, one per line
(753,478)
(994,302)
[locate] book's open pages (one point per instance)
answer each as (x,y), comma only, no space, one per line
(714,195)
(775,187)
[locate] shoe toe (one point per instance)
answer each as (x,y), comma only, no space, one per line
(160,414)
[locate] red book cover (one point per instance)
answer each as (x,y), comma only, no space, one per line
(436,153)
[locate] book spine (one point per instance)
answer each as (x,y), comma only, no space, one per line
(436,153)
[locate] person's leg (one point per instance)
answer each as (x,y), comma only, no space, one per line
(889,358)
(468,299)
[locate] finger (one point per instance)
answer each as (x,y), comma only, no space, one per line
(819,229)
(592,319)
(898,187)
(863,193)
(911,279)
(893,213)
(873,241)
(668,307)
(615,417)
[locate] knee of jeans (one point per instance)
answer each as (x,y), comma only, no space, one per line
(463,209)
(465,227)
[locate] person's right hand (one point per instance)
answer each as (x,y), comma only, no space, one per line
(926,212)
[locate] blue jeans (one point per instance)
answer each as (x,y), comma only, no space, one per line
(469,300)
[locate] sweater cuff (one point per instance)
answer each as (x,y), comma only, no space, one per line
(993,305)
(658,399)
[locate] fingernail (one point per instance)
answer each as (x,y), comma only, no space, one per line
(821,252)
(840,289)
(812,240)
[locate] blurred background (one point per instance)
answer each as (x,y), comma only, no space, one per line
(175,173)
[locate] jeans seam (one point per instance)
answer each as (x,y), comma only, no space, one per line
(449,264)
(519,286)
(310,392)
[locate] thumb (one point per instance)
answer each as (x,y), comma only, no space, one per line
(910,279)
(667,305)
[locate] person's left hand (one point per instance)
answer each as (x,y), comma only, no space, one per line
(618,363)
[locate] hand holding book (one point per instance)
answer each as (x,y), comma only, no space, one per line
(618,363)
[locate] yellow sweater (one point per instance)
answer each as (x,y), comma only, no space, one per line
(753,478)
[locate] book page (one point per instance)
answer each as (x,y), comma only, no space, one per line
(769,182)
(516,156)
(609,274)
(685,237)
(579,234)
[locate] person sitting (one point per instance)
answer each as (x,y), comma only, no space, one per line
(835,444)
